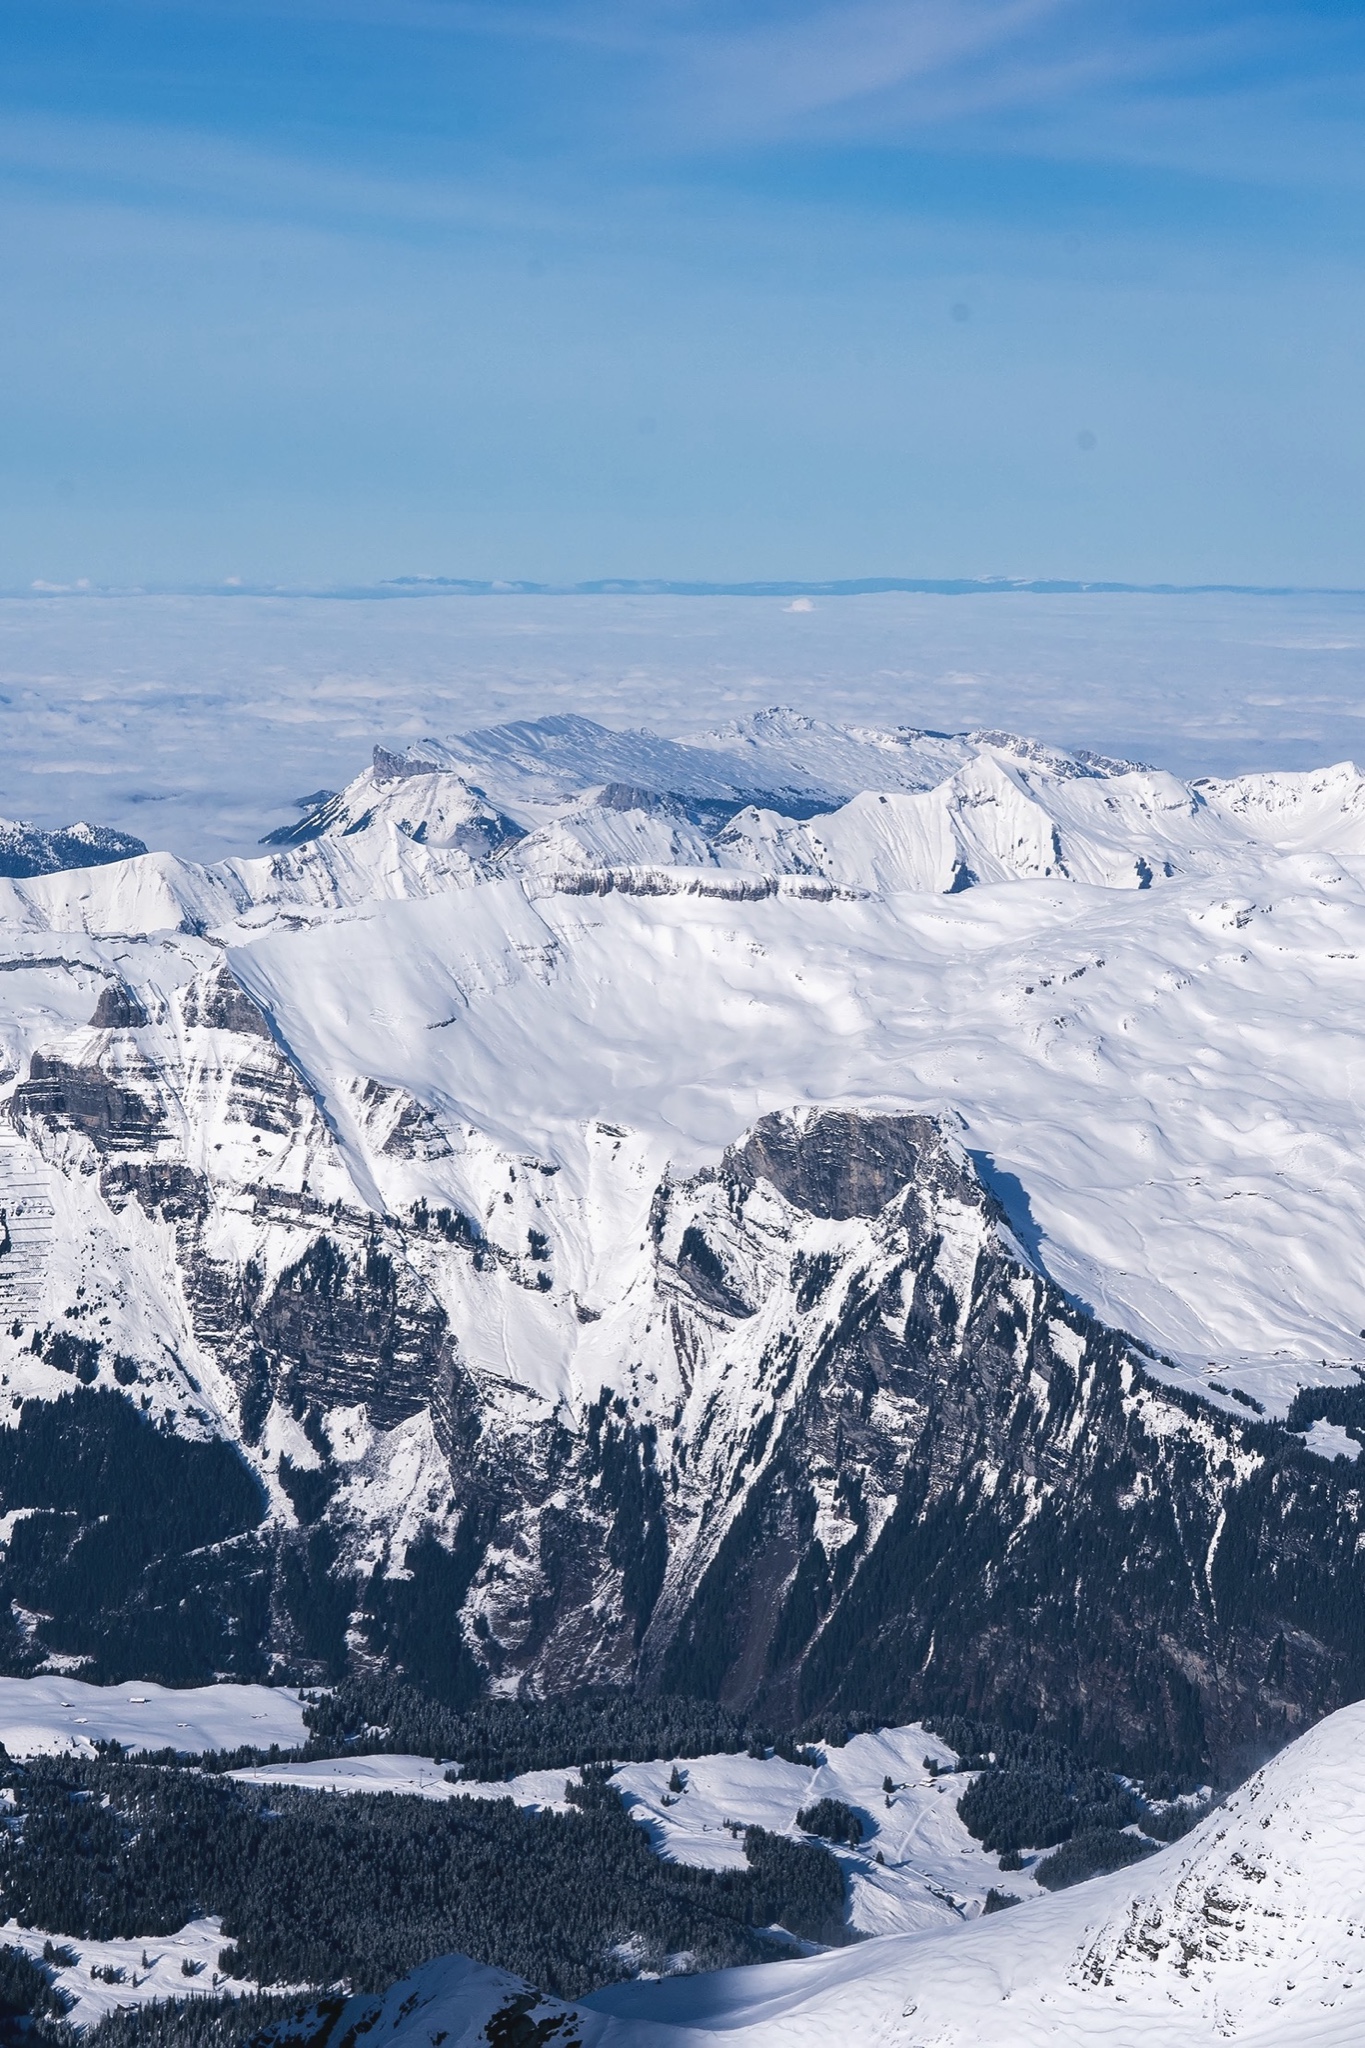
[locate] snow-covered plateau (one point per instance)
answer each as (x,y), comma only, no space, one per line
(1251,1929)
(732,1215)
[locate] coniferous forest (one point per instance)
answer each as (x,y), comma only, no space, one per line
(356,1890)
(315,1888)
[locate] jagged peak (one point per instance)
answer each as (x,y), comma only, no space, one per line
(27,850)
(845,1163)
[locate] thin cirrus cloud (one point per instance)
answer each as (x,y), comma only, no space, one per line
(131,164)
(731,288)
(874,62)
(1271,96)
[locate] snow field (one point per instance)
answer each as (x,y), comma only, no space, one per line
(54,1716)
(932,1874)
(148,1970)
(1176,1146)
(418,1776)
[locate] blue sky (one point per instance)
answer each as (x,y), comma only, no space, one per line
(321,291)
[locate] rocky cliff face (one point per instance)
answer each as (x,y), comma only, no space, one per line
(837,1444)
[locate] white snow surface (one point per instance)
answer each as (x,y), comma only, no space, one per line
(1251,1929)
(1330,1440)
(932,1872)
(152,1968)
(49,1716)
(417,1776)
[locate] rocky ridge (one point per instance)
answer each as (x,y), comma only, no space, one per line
(792,1414)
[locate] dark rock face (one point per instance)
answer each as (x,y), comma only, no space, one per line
(163,1187)
(869,1459)
(391,767)
(1070,1543)
(222,1004)
(841,1165)
(626,796)
(68,1097)
(356,1326)
(118,1009)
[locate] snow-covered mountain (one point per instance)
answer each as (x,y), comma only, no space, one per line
(1250,1929)
(674,1212)
(30,850)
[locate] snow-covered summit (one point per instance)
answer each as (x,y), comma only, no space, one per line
(31,850)
(408,793)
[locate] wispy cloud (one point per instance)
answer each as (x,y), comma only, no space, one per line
(195,170)
(1275,93)
(1243,94)
(775,75)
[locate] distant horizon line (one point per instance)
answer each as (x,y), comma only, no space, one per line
(621,586)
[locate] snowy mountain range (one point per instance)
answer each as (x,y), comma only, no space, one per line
(816,1216)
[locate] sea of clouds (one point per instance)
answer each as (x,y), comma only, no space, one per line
(196,722)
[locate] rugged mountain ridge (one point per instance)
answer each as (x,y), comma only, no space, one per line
(862,1455)
(401,1171)
(34,850)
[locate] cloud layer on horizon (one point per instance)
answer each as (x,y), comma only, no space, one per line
(195,722)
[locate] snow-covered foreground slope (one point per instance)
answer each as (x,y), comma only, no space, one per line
(1251,1929)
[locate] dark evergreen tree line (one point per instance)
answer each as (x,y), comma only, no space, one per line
(833,1819)
(317,1888)
(1033,1793)
(222,2022)
(495,1739)
(1092,1854)
(138,1544)
(26,1989)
